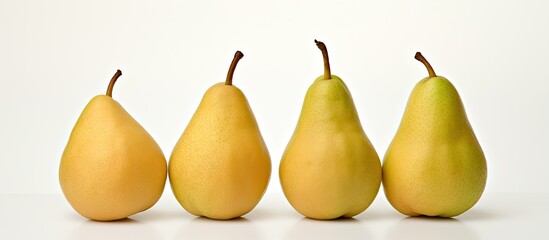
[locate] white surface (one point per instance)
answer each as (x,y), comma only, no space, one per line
(56,55)
(496,216)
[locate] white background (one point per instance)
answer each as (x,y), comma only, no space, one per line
(56,55)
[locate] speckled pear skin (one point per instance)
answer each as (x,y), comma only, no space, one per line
(111,167)
(329,168)
(434,166)
(220,167)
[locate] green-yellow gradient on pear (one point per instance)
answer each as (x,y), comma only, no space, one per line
(329,168)
(434,166)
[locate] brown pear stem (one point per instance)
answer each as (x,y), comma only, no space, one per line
(237,56)
(422,59)
(322,47)
(113,80)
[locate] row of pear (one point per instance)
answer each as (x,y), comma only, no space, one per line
(112,168)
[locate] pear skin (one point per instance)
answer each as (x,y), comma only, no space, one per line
(434,166)
(111,167)
(329,168)
(220,167)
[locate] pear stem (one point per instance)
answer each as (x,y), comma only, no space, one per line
(113,80)
(237,56)
(422,59)
(322,47)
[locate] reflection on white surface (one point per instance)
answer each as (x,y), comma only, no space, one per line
(343,228)
(123,229)
(498,216)
(425,228)
(204,228)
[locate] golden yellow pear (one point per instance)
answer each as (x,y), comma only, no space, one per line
(329,169)
(434,166)
(111,167)
(220,167)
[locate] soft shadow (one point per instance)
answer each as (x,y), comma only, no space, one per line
(261,213)
(122,229)
(426,228)
(205,228)
(479,215)
(377,215)
(341,228)
(264,213)
(161,215)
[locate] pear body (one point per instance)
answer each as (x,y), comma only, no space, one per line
(329,168)
(220,167)
(434,166)
(111,167)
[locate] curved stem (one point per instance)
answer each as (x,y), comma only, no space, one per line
(237,56)
(322,47)
(113,80)
(422,59)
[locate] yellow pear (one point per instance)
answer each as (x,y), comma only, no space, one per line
(434,166)
(329,169)
(111,167)
(220,167)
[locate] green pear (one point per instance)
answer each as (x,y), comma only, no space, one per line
(434,166)
(220,167)
(329,169)
(111,167)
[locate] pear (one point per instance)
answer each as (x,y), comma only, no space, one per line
(329,168)
(220,167)
(434,166)
(111,167)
